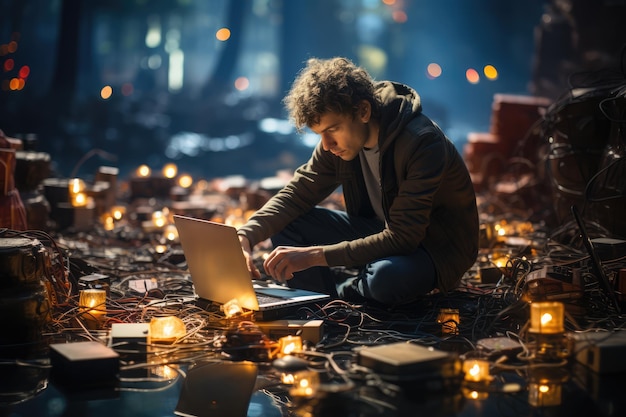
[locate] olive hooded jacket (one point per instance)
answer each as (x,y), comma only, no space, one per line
(428,196)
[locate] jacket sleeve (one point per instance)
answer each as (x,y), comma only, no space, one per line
(312,182)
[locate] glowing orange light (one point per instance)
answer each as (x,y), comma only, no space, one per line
(12,47)
(389,2)
(167,329)
(185,180)
(242,83)
(472,76)
(106,92)
(223,34)
(476,370)
(490,72)
(433,70)
(170,170)
(143,171)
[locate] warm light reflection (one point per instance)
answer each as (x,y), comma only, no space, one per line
(106,92)
(472,76)
(185,181)
(167,329)
(92,302)
(288,345)
(544,394)
(118,212)
(433,70)
(476,370)
(170,170)
(159,219)
(305,384)
(143,171)
(490,72)
(108,222)
(231,308)
(223,34)
(78,198)
(170,232)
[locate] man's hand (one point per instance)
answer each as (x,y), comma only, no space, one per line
(247,251)
(283,261)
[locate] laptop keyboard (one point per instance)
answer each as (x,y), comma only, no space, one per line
(263,299)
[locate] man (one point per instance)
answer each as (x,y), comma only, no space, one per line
(411,222)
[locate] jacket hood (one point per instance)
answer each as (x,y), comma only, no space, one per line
(399,105)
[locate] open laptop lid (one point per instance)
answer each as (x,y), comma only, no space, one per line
(596,263)
(216,261)
(219,272)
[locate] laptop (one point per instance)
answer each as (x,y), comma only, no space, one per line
(596,263)
(220,274)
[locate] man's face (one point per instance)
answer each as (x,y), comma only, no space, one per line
(343,135)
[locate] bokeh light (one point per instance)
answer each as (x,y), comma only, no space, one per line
(472,76)
(242,83)
(106,92)
(490,72)
(223,34)
(433,70)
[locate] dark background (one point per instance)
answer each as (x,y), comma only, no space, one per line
(74,48)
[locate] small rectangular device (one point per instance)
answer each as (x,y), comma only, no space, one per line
(309,330)
(84,364)
(409,361)
(602,352)
(499,346)
(134,335)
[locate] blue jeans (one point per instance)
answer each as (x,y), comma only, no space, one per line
(392,280)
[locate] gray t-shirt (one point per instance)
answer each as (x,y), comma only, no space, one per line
(370,164)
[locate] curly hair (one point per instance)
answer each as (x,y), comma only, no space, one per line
(328,85)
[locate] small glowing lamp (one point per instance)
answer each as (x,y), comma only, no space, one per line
(107,222)
(288,345)
(476,370)
(449,319)
(544,394)
(92,302)
(305,384)
(159,219)
(170,233)
(472,394)
(118,212)
(167,329)
(546,317)
(185,181)
(288,366)
(170,170)
(78,197)
(231,308)
(143,171)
